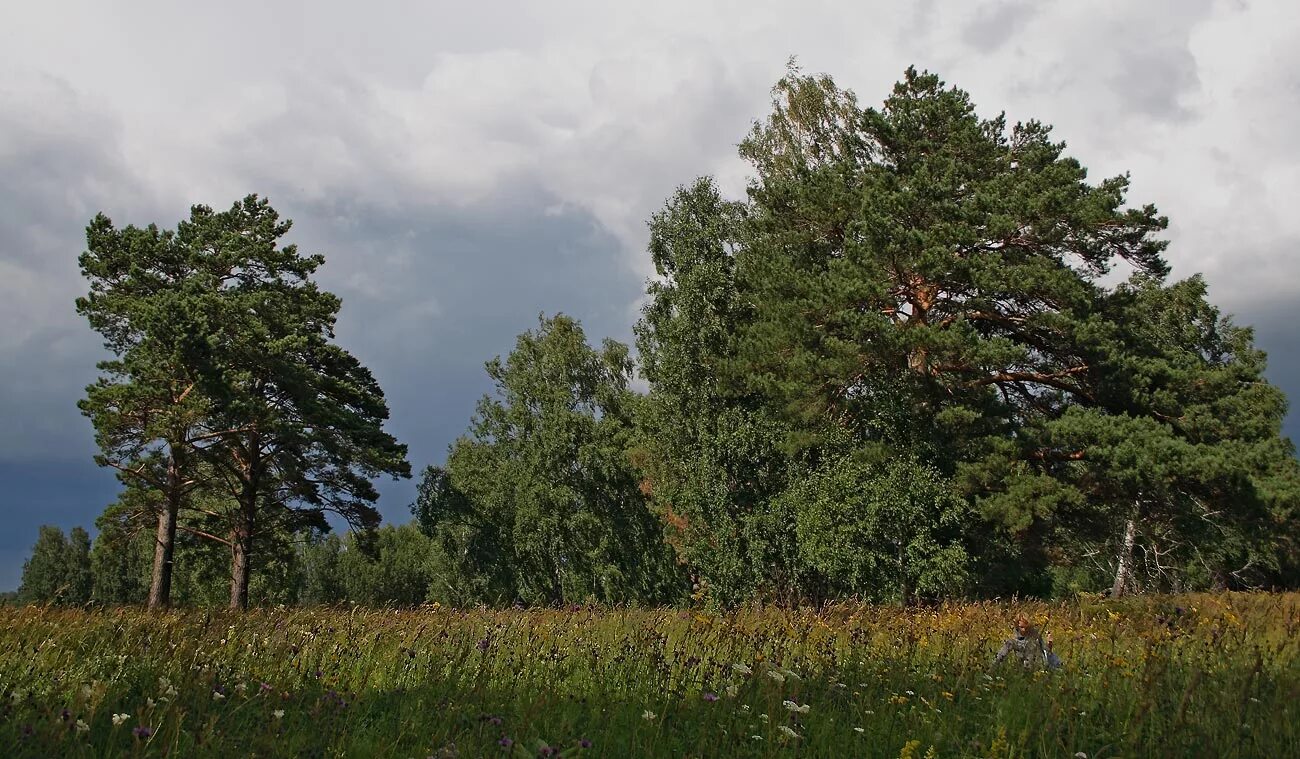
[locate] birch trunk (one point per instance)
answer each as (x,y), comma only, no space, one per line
(1125,564)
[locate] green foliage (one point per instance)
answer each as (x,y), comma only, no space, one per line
(883,529)
(711,458)
(539,501)
(394,566)
(228,378)
(917,279)
(58,570)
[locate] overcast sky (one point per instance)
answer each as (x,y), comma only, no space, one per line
(466,166)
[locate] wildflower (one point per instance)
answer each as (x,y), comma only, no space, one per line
(763,717)
(505,742)
(859,730)
(777,676)
(120,718)
(757,737)
(787,731)
(217,695)
(710,697)
(546,751)
(150,703)
(648,715)
(742,669)
(584,743)
(1080,755)
(795,707)
(241,687)
(82,726)
(142,732)
(264,688)
(65,715)
(278,714)
(732,691)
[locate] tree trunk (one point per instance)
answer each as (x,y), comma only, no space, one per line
(164,549)
(1124,567)
(160,586)
(241,548)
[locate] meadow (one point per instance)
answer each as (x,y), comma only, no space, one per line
(1202,675)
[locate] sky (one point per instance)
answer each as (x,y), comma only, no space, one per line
(466,167)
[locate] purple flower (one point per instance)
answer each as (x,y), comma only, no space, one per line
(265,688)
(142,732)
(584,743)
(505,742)
(547,751)
(483,644)
(65,715)
(710,697)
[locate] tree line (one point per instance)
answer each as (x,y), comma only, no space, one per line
(924,357)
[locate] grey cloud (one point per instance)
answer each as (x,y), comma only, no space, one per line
(995,24)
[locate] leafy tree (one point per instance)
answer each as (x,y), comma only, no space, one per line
(81,581)
(394,566)
(322,578)
(884,528)
(121,560)
(542,502)
(711,457)
(59,568)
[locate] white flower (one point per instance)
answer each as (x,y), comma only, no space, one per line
(791,674)
(859,730)
(149,703)
(217,695)
(82,726)
(795,707)
(241,687)
(1080,755)
(742,669)
(732,690)
(910,692)
(777,676)
(789,733)
(744,707)
(648,715)
(278,714)
(757,737)
(763,717)
(120,718)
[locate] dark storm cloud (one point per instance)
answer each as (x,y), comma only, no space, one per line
(1277,332)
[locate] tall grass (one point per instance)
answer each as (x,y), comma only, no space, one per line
(1171,676)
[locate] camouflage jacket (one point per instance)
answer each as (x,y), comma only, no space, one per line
(1030,653)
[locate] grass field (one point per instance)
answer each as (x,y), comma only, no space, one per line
(1169,676)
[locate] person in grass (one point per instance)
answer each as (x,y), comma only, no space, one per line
(1028,647)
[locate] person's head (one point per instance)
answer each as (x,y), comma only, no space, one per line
(1024,627)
